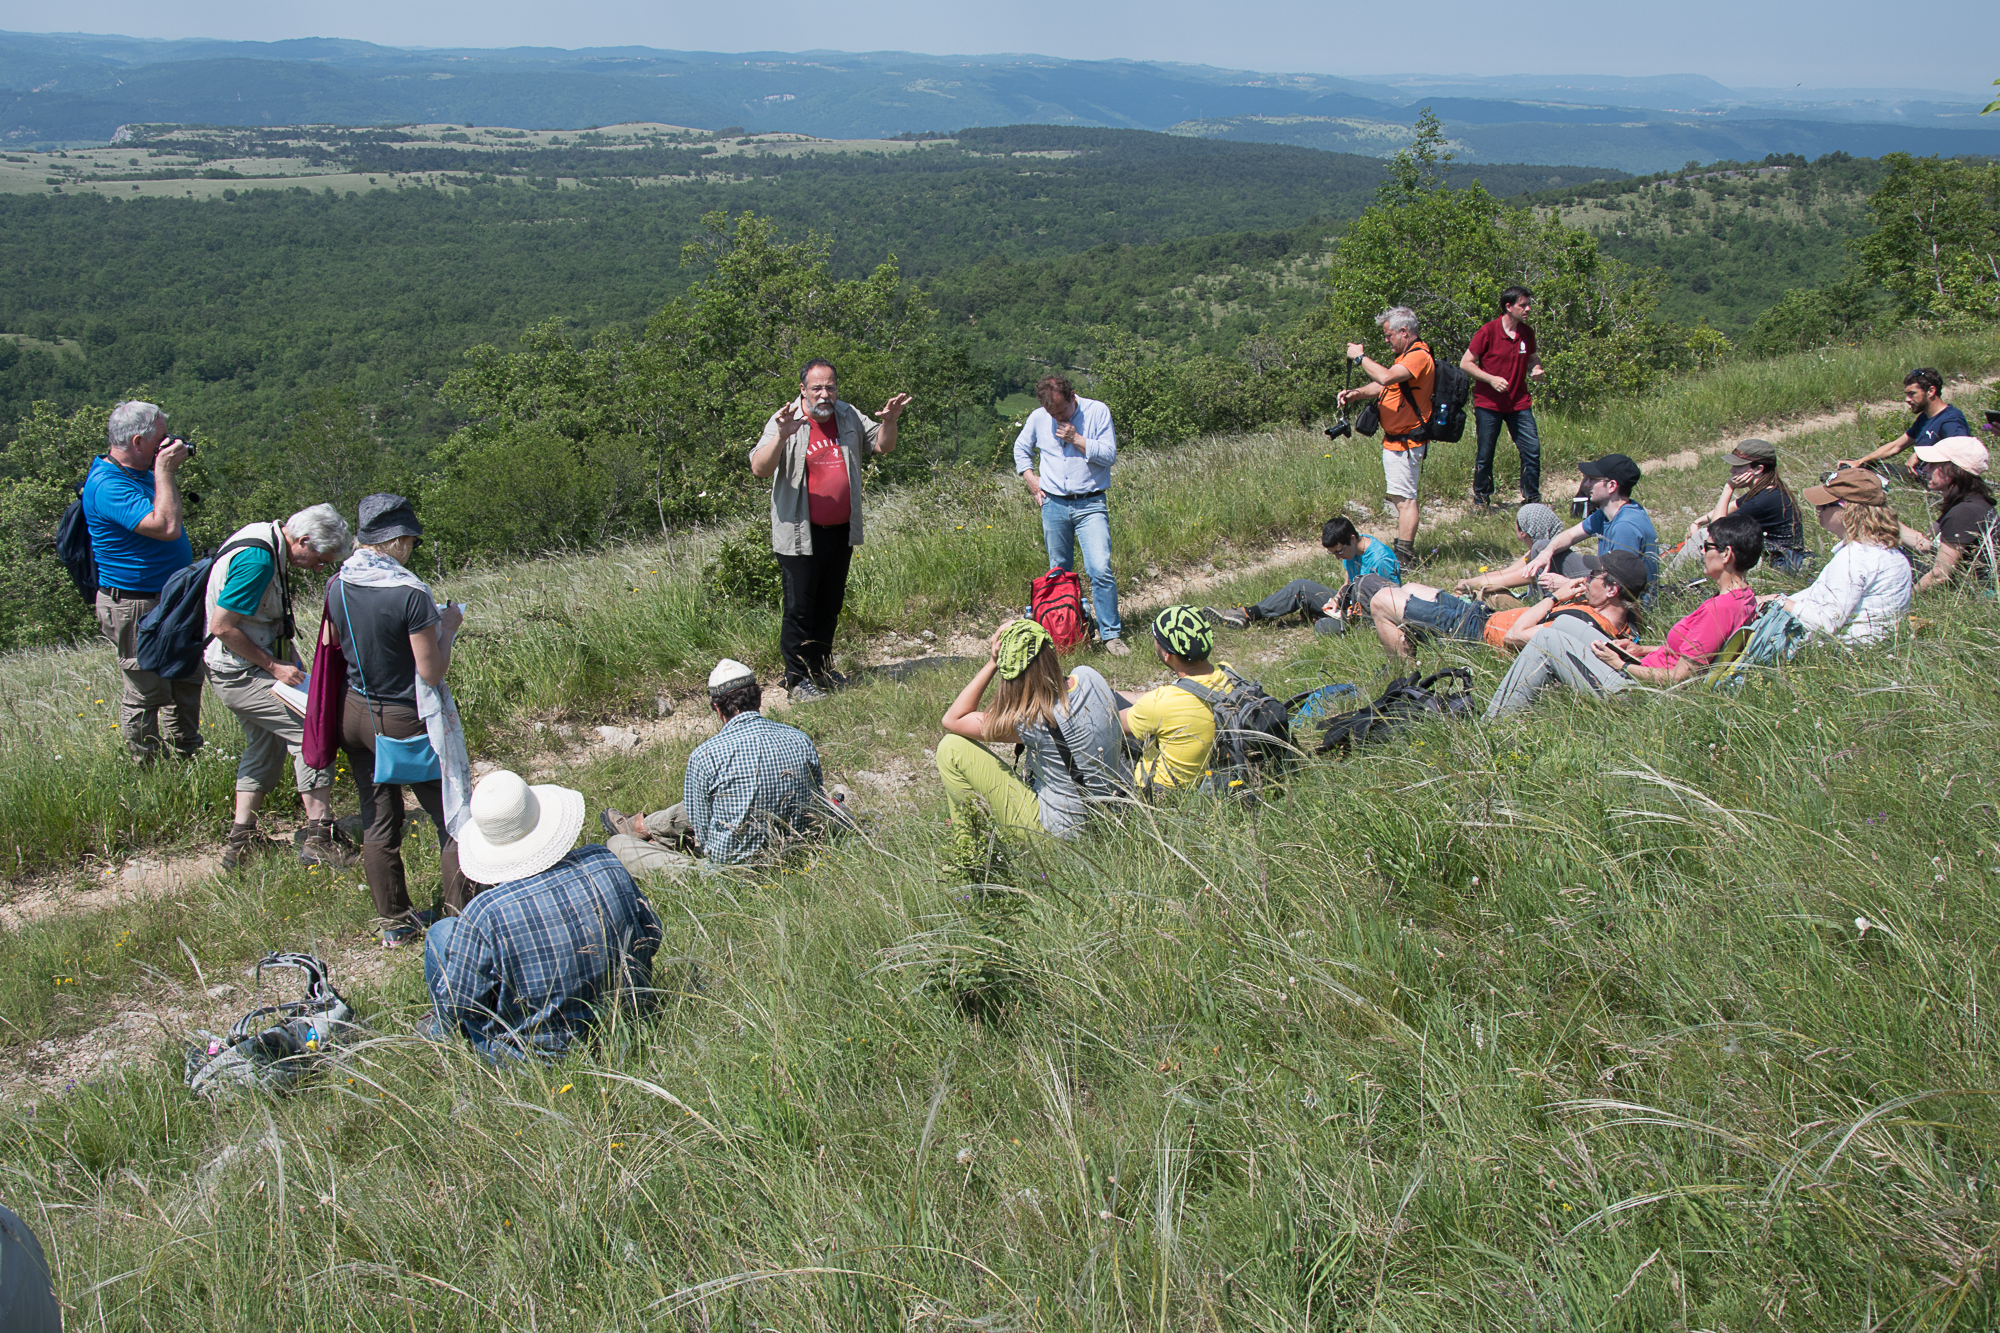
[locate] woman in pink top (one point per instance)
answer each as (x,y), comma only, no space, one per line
(1735,543)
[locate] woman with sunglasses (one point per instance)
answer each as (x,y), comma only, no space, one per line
(1583,657)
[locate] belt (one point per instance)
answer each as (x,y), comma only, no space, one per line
(127,595)
(1085,495)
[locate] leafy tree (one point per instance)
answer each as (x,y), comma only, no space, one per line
(1936,243)
(41,466)
(623,432)
(1448,254)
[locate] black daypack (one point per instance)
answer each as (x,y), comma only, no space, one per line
(1408,699)
(1450,391)
(272,1048)
(172,636)
(1252,735)
(73,548)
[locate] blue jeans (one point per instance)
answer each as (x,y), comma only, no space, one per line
(1520,425)
(1070,523)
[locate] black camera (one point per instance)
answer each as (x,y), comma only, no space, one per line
(173,440)
(1340,429)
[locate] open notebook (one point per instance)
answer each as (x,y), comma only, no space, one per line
(292,696)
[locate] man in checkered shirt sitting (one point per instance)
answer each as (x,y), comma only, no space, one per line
(750,790)
(532,961)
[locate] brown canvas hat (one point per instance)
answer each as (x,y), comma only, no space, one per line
(1851,485)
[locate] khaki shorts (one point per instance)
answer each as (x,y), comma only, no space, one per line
(1401,470)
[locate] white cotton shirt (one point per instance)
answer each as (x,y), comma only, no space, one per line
(1869,586)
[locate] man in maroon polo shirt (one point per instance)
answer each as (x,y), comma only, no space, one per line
(1501,362)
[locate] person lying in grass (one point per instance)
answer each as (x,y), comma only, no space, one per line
(1067,726)
(1579,654)
(1607,596)
(1370,565)
(1864,591)
(1535,526)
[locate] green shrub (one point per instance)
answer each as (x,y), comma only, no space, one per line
(745,570)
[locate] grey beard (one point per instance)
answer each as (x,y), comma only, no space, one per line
(817,413)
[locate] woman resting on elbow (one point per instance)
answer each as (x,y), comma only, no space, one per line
(1068,728)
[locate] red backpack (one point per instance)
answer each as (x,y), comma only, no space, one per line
(1056,601)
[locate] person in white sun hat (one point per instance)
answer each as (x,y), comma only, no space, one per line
(750,791)
(562,931)
(1954,470)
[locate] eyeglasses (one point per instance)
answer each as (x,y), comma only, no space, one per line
(1711,546)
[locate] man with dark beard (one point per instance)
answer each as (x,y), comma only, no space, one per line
(813,449)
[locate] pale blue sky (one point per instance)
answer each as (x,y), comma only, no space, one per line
(1832,43)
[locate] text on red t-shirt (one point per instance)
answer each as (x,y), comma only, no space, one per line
(828,497)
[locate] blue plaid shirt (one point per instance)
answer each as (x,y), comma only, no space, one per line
(529,961)
(751,787)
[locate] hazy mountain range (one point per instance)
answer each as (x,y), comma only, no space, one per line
(72,88)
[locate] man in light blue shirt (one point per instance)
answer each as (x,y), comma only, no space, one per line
(1073,440)
(1618,521)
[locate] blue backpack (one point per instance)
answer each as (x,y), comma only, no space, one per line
(172,636)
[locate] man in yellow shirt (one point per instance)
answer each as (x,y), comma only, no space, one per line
(1178,728)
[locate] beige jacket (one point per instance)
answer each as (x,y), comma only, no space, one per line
(267,626)
(791,523)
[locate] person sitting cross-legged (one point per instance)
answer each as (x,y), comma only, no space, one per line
(749,791)
(1067,727)
(532,961)
(1607,596)
(1582,656)
(1369,562)
(1177,727)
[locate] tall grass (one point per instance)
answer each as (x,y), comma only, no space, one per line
(1569,1022)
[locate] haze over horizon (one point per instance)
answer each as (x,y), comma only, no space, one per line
(1847,46)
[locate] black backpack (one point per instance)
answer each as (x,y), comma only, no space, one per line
(1451,389)
(1252,735)
(73,548)
(1407,700)
(172,635)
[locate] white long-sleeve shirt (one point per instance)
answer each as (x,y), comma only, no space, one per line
(1066,469)
(1869,586)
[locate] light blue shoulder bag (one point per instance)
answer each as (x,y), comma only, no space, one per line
(398,762)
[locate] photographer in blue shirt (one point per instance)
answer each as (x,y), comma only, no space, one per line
(132,505)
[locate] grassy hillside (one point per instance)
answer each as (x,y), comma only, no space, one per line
(1664,1012)
(1731,240)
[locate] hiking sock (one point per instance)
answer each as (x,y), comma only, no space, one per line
(242,843)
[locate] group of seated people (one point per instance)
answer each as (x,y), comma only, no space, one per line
(529,960)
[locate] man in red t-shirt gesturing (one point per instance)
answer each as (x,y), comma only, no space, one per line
(812,449)
(1501,361)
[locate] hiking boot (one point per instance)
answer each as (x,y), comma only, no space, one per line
(830,680)
(1118,647)
(617,823)
(806,692)
(320,845)
(241,846)
(1237,617)
(1406,552)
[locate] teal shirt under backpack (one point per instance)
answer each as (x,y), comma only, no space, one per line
(1377,557)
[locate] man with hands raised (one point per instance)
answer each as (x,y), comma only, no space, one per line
(813,449)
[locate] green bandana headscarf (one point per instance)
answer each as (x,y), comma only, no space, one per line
(1021,643)
(1184,631)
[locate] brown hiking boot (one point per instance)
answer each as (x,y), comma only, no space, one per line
(321,845)
(243,844)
